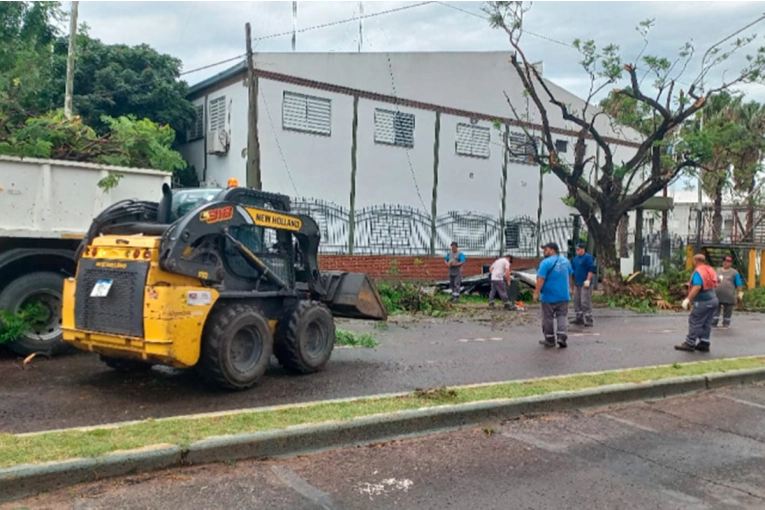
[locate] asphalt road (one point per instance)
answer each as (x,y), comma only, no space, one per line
(79,391)
(696,452)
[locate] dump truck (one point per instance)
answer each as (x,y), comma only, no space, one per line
(46,207)
(212,279)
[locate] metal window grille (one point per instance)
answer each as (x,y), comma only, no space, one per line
(196,131)
(307,114)
(394,128)
(216,113)
(512,237)
(561,146)
(473,141)
(521,148)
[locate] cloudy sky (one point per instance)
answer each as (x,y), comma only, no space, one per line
(202,33)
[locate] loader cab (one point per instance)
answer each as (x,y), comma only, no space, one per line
(274,247)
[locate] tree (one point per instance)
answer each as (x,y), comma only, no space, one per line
(117,80)
(27,34)
(621,186)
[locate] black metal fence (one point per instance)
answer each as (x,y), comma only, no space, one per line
(403,230)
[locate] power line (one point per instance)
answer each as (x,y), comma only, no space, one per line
(308,29)
(471,13)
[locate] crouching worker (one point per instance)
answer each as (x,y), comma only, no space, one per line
(702,296)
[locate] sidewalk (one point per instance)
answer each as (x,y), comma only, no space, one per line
(702,451)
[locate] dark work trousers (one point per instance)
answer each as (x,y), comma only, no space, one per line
(555,314)
(455,282)
(700,321)
(498,287)
(583,303)
(727,309)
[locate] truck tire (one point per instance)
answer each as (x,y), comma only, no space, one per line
(45,288)
(306,338)
(126,365)
(236,346)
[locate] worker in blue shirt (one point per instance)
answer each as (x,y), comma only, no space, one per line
(584,270)
(553,290)
(454,260)
(702,295)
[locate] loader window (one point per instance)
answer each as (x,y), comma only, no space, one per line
(186,200)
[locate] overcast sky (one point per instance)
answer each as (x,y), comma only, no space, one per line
(201,33)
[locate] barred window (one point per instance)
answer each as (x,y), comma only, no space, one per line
(512,236)
(308,114)
(472,141)
(521,148)
(394,128)
(196,131)
(216,113)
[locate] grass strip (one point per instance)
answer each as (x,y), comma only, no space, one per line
(51,446)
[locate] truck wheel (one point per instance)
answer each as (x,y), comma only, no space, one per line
(236,347)
(126,365)
(306,338)
(44,288)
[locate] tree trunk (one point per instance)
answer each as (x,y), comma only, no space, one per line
(624,223)
(717,218)
(608,261)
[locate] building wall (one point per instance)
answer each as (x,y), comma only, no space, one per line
(320,166)
(410,268)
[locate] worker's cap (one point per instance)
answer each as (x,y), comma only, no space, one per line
(728,258)
(581,245)
(552,246)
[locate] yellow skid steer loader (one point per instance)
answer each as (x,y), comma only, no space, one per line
(216,279)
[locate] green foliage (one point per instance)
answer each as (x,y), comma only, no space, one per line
(131,143)
(351,339)
(754,300)
(119,80)
(409,298)
(110,181)
(110,80)
(13,325)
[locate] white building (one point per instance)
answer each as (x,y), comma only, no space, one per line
(305,124)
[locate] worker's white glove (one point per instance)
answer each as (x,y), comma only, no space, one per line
(586,283)
(686,303)
(741,296)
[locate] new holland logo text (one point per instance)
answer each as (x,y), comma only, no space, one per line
(273,220)
(216,215)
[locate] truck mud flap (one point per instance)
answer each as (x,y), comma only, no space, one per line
(354,296)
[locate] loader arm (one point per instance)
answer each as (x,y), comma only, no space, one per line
(211,222)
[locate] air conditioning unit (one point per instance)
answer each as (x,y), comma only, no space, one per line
(218,142)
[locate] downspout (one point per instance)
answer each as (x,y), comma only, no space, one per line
(204,140)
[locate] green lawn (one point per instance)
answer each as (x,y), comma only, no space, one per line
(52,446)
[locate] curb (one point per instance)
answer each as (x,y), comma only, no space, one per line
(27,480)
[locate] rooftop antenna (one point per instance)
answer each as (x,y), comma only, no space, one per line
(361,25)
(294,24)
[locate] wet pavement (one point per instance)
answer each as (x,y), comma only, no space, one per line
(78,390)
(704,451)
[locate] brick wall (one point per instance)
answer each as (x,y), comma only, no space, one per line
(384,267)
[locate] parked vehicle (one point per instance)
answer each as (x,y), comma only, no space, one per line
(46,207)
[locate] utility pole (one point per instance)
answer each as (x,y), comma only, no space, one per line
(70,61)
(361,25)
(294,25)
(253,141)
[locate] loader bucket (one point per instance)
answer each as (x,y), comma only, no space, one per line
(353,295)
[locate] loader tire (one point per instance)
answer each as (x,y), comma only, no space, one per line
(46,289)
(126,365)
(305,338)
(236,347)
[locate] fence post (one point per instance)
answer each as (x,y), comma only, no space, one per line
(434,199)
(354,147)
